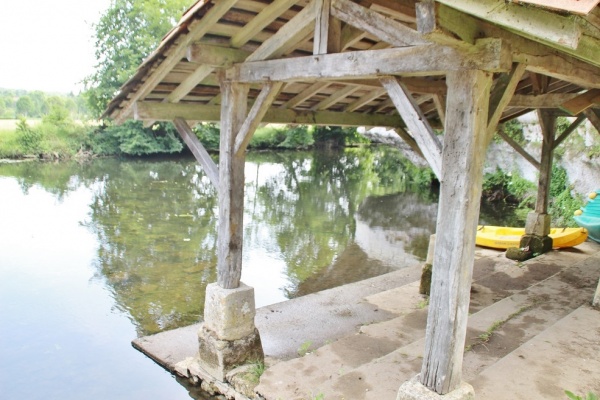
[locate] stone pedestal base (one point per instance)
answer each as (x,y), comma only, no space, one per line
(537,244)
(218,357)
(228,337)
(415,390)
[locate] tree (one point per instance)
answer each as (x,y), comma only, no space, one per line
(126,33)
(25,106)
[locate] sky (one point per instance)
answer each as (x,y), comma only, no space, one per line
(47,45)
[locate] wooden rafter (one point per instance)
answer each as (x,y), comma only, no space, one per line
(291,33)
(335,98)
(258,23)
(154,111)
(175,55)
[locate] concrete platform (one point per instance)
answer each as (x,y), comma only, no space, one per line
(367,338)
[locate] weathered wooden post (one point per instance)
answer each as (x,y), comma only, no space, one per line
(228,336)
(537,226)
(461,177)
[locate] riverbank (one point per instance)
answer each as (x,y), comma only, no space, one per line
(531,333)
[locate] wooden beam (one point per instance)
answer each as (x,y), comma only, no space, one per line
(335,97)
(351,35)
(416,122)
(334,35)
(538,57)
(547,100)
(305,94)
(422,60)
(175,54)
(257,112)
(517,147)
(198,150)
(582,102)
(380,26)
(501,95)
(155,111)
(547,121)
(460,196)
(409,140)
(196,77)
(215,56)
(365,99)
(231,186)
(321,38)
(292,32)
(534,23)
(440,106)
(570,129)
(268,14)
(594,117)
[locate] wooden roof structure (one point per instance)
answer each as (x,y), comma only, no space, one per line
(213,35)
(461,66)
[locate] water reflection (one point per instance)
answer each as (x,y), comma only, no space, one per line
(139,237)
(309,220)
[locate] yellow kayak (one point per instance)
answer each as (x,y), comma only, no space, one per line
(501,237)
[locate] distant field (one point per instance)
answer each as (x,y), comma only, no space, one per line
(11,124)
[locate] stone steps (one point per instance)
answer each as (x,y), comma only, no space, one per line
(373,363)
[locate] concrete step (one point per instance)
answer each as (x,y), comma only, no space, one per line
(562,357)
(533,295)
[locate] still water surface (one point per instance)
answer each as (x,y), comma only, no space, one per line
(94,255)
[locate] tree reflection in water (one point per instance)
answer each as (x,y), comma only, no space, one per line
(312,214)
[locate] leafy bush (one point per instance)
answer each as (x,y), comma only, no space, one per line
(337,136)
(29,139)
(209,135)
(562,203)
(132,138)
(297,137)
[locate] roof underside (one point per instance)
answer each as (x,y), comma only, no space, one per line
(561,63)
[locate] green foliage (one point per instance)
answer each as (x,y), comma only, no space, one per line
(562,203)
(28,138)
(131,138)
(37,104)
(297,137)
(267,137)
(304,348)
(209,135)
(508,188)
(256,370)
(25,107)
(572,396)
(126,33)
(337,136)
(513,129)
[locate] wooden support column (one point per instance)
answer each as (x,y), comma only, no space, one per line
(537,226)
(548,124)
(231,185)
(461,178)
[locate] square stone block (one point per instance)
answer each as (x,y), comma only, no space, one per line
(217,357)
(537,224)
(415,390)
(229,313)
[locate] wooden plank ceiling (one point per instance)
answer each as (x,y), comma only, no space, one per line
(180,79)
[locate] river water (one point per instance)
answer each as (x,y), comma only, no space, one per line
(95,255)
